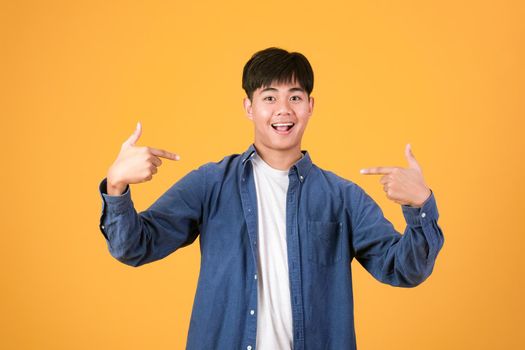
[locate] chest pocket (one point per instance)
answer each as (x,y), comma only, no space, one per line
(324,242)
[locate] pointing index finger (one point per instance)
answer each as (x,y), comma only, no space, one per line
(380,170)
(164,154)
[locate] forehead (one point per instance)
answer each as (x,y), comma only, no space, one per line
(276,86)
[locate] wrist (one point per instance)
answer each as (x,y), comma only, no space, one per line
(420,203)
(115,188)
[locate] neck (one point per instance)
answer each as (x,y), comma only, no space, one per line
(279,159)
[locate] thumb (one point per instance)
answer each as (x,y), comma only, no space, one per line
(412,162)
(135,136)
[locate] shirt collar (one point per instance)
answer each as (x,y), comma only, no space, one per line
(302,166)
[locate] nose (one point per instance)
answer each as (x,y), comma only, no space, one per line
(283,108)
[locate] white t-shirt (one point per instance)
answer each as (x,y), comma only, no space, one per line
(274,317)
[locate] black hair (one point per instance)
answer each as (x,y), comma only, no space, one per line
(276,65)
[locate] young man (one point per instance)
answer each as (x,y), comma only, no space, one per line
(277,233)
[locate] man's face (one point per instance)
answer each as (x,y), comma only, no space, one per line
(280,113)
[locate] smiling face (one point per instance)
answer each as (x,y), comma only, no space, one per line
(280,113)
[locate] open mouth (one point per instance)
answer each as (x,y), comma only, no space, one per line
(283,127)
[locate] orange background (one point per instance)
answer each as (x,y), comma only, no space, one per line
(446,76)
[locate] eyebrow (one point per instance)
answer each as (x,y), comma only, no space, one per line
(289,90)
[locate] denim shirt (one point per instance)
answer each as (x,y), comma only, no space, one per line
(329,222)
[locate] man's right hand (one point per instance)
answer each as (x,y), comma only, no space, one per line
(134,164)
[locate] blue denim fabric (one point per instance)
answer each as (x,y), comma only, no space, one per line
(329,221)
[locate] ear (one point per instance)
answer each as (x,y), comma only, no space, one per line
(311,105)
(248,107)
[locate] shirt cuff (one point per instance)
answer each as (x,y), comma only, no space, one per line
(115,204)
(419,216)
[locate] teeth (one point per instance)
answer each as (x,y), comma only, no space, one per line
(282,124)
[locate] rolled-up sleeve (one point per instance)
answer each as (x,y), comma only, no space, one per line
(403,260)
(171,222)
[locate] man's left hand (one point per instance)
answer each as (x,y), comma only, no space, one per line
(404,186)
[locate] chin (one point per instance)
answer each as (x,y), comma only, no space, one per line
(278,143)
(282,146)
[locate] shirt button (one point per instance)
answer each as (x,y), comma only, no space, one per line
(252,312)
(255,276)
(102,226)
(249,347)
(243,179)
(301,178)
(249,210)
(423,215)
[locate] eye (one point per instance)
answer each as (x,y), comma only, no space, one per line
(296,98)
(269,98)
